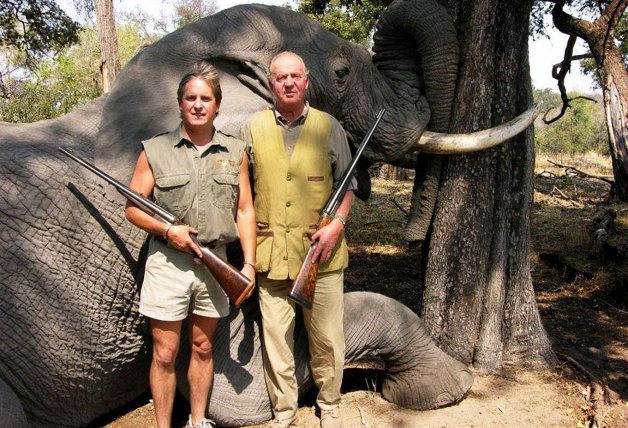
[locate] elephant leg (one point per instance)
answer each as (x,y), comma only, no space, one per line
(424,192)
(10,408)
(418,374)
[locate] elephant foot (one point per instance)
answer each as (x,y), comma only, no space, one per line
(11,411)
(427,388)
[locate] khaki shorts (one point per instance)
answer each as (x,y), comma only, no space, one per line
(175,286)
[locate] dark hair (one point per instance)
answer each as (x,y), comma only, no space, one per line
(203,70)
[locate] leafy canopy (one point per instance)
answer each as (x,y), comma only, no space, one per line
(352,20)
(35,27)
(60,84)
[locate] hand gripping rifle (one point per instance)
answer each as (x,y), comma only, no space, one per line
(236,286)
(304,285)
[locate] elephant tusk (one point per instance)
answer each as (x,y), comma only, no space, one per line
(439,143)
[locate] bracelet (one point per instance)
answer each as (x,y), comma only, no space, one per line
(165,235)
(246,262)
(341,219)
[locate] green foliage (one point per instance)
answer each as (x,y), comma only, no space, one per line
(352,20)
(582,129)
(35,27)
(188,11)
(61,83)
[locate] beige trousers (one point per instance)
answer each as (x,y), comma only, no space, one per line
(325,335)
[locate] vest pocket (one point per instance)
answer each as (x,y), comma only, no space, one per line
(225,189)
(173,193)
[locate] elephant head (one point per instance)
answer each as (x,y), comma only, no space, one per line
(72,344)
(412,74)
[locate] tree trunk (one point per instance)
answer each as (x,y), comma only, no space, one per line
(109,59)
(600,37)
(479,301)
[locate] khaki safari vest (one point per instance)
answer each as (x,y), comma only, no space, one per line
(290,194)
(200,189)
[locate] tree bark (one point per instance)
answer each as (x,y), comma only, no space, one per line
(600,37)
(109,58)
(479,301)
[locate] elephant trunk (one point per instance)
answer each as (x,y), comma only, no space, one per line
(418,374)
(416,47)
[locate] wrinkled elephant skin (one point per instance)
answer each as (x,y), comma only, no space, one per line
(72,344)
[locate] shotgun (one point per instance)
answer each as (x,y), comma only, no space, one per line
(304,285)
(233,282)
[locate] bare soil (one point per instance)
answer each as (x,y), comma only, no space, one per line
(583,302)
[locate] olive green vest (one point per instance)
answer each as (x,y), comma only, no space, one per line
(290,194)
(201,189)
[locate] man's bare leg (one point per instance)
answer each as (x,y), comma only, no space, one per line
(163,382)
(201,369)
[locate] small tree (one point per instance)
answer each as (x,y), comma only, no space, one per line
(61,83)
(109,56)
(580,130)
(352,20)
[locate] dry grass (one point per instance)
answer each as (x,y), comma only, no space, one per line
(594,163)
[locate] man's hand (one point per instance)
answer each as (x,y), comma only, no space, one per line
(327,237)
(178,237)
(249,272)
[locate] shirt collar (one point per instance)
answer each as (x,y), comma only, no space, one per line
(282,120)
(178,139)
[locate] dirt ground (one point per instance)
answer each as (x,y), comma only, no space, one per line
(583,302)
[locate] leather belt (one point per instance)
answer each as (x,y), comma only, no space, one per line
(210,245)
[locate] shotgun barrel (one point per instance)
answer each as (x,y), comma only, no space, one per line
(233,282)
(304,285)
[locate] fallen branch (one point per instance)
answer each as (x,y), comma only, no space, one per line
(581,174)
(561,193)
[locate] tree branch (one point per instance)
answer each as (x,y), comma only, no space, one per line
(559,72)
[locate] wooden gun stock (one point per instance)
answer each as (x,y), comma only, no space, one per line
(305,284)
(236,286)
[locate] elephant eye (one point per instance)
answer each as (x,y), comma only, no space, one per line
(342,74)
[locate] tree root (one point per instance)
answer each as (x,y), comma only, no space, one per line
(599,394)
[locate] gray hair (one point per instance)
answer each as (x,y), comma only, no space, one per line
(280,54)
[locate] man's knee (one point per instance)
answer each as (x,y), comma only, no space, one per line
(202,348)
(165,355)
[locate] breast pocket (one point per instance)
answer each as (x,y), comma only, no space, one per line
(173,193)
(225,190)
